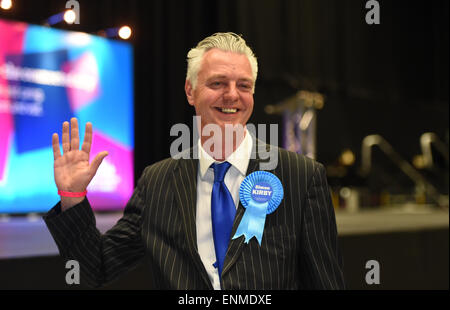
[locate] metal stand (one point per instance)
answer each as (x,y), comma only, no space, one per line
(299,121)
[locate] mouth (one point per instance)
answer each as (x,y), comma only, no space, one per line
(227,110)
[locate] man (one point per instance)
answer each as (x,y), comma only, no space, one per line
(174,215)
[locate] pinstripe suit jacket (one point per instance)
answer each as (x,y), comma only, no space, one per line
(299,247)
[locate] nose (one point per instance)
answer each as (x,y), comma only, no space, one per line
(231,93)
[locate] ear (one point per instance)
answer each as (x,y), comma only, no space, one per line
(189,92)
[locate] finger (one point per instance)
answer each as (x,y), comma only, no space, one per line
(65,137)
(97,161)
(87,142)
(55,145)
(74,136)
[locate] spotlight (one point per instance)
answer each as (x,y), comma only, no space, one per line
(6,4)
(125,32)
(70,16)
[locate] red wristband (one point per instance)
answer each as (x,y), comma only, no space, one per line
(72,194)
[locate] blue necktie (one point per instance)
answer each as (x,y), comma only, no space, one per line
(223,211)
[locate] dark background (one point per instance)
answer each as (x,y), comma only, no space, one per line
(389,79)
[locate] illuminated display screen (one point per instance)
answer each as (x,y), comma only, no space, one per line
(48,76)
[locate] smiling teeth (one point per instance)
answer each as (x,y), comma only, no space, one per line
(228,110)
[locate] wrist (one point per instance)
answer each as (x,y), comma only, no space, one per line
(68,202)
(72,194)
(70,199)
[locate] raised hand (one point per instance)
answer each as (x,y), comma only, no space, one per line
(72,170)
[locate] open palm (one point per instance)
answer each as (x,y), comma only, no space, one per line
(72,170)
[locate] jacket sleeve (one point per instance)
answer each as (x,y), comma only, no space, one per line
(102,258)
(321,260)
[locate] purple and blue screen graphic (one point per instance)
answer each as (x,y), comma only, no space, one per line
(48,76)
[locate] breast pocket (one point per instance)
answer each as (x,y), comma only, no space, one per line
(271,265)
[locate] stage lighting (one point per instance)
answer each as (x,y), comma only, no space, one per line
(70,16)
(125,32)
(6,4)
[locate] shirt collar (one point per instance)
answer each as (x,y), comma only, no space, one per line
(239,158)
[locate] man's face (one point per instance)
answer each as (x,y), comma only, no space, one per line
(224,92)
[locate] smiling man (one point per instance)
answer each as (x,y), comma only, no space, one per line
(184,214)
(220,84)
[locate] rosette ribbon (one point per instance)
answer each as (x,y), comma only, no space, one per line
(260,193)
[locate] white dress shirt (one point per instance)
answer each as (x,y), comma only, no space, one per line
(239,161)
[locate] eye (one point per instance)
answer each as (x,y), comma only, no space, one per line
(245,86)
(215,84)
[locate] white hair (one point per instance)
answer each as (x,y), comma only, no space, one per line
(225,41)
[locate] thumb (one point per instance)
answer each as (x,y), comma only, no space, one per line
(97,161)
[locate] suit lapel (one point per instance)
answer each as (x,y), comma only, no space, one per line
(185,186)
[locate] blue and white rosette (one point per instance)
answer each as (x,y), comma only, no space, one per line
(260,193)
